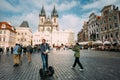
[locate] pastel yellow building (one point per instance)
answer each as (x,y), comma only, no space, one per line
(24,34)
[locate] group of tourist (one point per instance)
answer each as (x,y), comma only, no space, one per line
(44,48)
(17,52)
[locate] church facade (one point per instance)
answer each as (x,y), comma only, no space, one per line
(48,29)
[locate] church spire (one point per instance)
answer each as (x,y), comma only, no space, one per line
(54,12)
(42,12)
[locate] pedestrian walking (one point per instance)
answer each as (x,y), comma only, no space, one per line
(76,49)
(7,51)
(29,52)
(1,52)
(16,55)
(20,53)
(11,50)
(44,50)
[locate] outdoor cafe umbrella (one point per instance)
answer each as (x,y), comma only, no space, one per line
(107,43)
(114,43)
(98,42)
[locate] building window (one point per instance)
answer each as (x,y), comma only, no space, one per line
(105,28)
(54,20)
(42,20)
(0,32)
(105,36)
(110,26)
(111,35)
(116,25)
(21,39)
(104,21)
(4,32)
(97,30)
(3,26)
(101,29)
(115,17)
(116,34)
(109,19)
(3,39)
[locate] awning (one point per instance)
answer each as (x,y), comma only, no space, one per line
(98,42)
(83,43)
(107,43)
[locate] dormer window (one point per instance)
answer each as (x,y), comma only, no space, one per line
(3,26)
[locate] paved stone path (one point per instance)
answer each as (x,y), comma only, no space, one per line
(99,65)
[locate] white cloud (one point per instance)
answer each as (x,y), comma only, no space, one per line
(5,6)
(72,22)
(32,19)
(100,4)
(67,5)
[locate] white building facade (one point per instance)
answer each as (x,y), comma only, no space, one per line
(93,27)
(7,35)
(48,29)
(24,34)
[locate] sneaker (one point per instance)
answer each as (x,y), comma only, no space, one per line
(15,65)
(72,67)
(81,69)
(29,61)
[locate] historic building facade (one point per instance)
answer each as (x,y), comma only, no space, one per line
(48,29)
(24,34)
(110,23)
(93,27)
(105,27)
(7,35)
(80,36)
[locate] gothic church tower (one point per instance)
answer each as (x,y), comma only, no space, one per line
(47,24)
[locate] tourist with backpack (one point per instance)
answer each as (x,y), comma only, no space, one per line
(29,52)
(16,59)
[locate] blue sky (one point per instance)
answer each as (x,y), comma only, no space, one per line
(72,13)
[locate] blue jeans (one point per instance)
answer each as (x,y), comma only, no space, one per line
(44,61)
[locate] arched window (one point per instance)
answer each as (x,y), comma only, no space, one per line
(54,20)
(42,20)
(116,34)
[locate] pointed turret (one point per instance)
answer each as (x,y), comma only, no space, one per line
(42,12)
(24,24)
(54,13)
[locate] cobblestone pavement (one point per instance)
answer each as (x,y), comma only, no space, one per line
(98,65)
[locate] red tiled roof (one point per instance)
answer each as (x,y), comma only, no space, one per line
(8,26)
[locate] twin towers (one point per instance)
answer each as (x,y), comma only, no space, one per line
(46,23)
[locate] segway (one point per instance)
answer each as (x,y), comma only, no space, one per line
(44,74)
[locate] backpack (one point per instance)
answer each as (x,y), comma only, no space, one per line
(19,49)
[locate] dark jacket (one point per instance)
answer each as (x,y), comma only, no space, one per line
(44,47)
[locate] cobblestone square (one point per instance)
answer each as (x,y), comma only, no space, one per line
(98,65)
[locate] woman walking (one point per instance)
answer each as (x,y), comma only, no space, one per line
(76,49)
